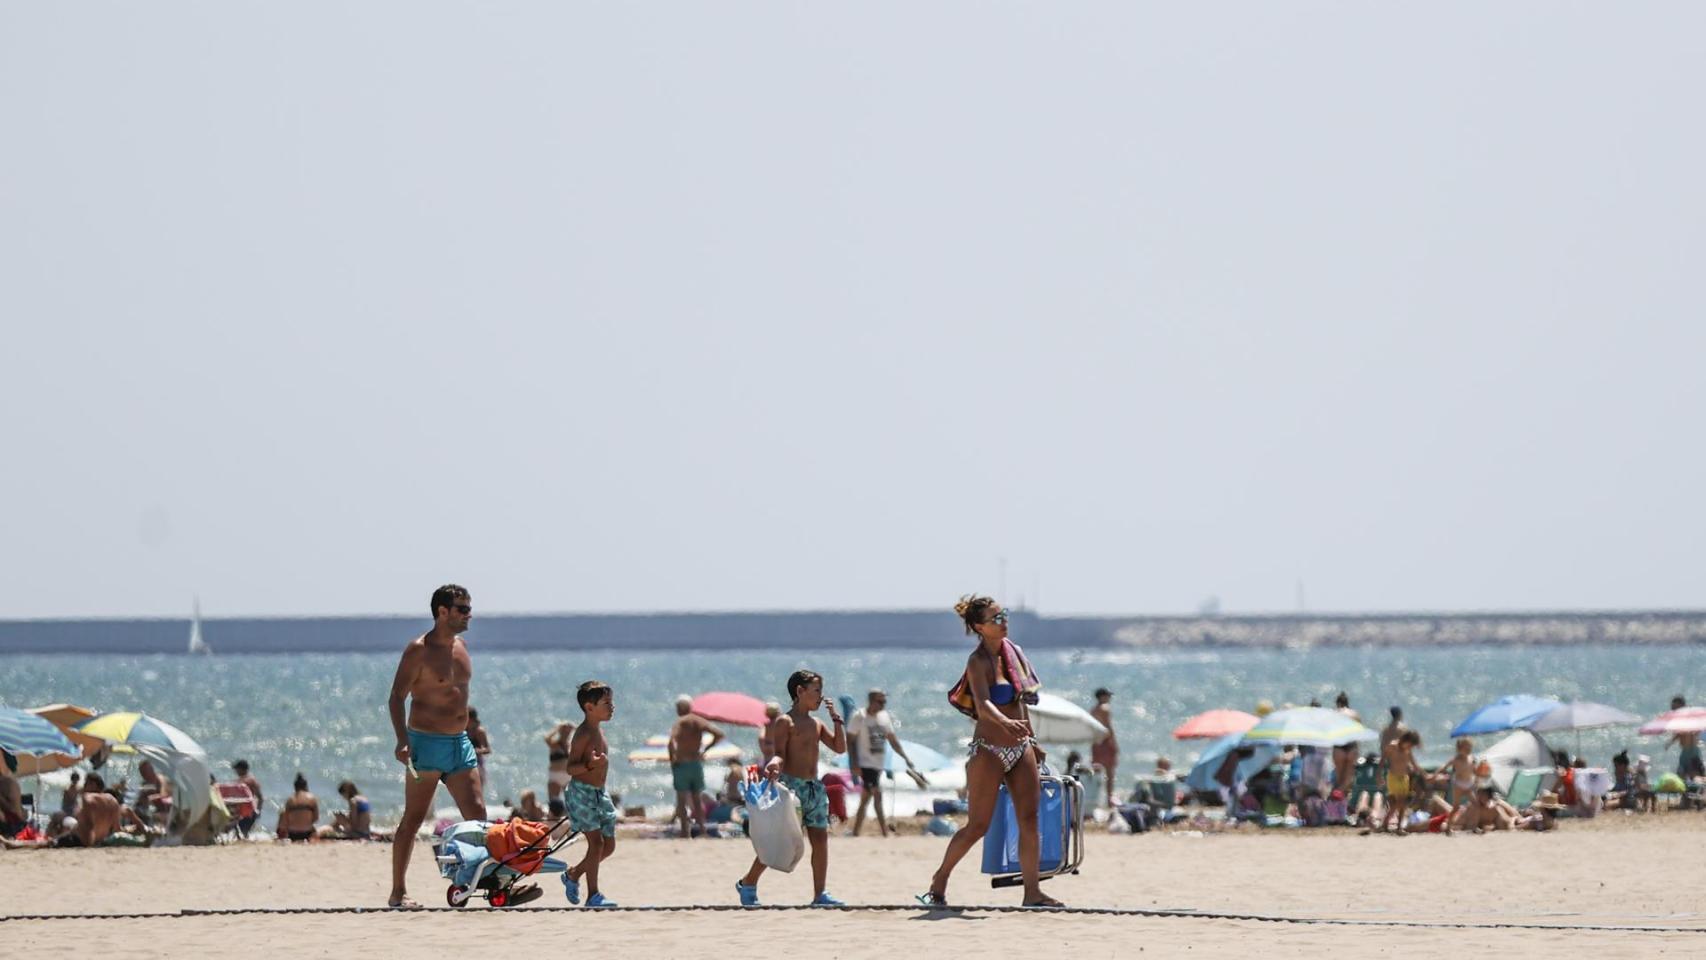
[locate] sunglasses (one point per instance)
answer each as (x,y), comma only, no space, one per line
(1000,619)
(462,608)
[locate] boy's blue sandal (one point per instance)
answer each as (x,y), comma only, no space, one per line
(597,900)
(571,889)
(825,900)
(748,895)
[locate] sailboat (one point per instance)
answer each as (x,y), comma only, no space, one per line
(197,644)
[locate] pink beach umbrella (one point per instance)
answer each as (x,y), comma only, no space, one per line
(1685,720)
(736,708)
(1215,724)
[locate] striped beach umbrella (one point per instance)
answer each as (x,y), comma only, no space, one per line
(1685,720)
(24,734)
(656,750)
(1310,727)
(127,730)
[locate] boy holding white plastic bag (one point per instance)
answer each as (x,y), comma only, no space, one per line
(797,735)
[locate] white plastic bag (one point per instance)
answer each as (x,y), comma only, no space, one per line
(773,822)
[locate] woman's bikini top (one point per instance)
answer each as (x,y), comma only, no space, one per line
(1002,694)
(558,755)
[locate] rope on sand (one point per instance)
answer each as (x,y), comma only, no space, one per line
(882,908)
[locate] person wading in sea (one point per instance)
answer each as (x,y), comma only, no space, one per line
(433,744)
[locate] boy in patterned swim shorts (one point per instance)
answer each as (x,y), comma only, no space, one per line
(797,735)
(590,810)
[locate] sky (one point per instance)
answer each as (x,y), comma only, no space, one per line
(1106,307)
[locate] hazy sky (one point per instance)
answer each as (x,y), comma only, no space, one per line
(309,307)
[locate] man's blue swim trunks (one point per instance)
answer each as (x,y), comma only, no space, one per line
(443,753)
(590,809)
(814,801)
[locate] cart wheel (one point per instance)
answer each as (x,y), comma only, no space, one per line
(500,898)
(456,896)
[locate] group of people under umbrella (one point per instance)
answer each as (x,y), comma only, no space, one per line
(1247,745)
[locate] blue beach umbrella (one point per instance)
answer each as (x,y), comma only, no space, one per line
(922,756)
(1201,776)
(1506,713)
(24,734)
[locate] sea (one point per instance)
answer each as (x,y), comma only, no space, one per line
(324,714)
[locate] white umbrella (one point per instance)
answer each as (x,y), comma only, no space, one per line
(1584,716)
(1059,720)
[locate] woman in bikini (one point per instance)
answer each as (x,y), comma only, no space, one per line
(296,821)
(1003,749)
(557,741)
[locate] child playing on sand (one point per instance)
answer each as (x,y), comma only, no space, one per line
(796,736)
(1461,769)
(591,811)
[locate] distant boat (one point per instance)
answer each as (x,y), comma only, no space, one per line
(197,644)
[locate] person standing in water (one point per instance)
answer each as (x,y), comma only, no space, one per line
(432,744)
(994,690)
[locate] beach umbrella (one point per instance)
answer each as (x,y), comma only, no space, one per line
(1685,720)
(1506,713)
(1215,724)
(736,708)
(1308,726)
(1583,716)
(1059,720)
(128,730)
(923,757)
(1202,774)
(23,733)
(656,750)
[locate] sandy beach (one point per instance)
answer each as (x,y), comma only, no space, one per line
(1520,895)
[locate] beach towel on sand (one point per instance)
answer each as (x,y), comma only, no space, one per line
(1013,668)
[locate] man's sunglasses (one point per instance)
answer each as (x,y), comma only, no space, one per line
(462,608)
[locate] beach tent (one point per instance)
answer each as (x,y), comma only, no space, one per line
(1522,750)
(1201,776)
(1058,720)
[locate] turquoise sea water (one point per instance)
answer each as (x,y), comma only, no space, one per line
(324,715)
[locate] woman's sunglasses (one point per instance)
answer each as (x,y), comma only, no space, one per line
(1000,618)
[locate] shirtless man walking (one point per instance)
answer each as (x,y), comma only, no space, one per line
(433,745)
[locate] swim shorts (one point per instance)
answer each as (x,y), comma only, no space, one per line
(871,777)
(590,809)
(1397,784)
(814,801)
(443,753)
(689,775)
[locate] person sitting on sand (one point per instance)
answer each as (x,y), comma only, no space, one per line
(100,816)
(296,821)
(1484,812)
(733,783)
(356,823)
(528,808)
(12,819)
(154,795)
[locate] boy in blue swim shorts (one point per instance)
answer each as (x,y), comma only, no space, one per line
(797,736)
(591,811)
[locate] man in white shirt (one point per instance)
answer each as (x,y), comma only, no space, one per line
(872,733)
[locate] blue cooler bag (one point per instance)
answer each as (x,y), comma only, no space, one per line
(1054,827)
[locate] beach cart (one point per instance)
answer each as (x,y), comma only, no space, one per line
(486,859)
(1060,827)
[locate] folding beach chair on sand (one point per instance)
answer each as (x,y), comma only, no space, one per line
(1060,824)
(490,859)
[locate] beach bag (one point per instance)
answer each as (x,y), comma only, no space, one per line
(773,823)
(520,845)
